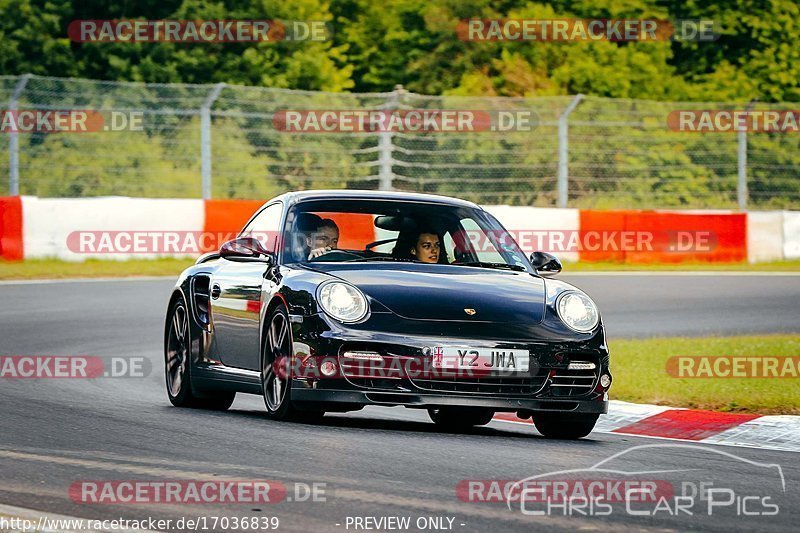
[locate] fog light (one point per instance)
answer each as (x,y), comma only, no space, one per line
(328,368)
(605,381)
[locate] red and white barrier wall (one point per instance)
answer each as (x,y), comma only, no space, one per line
(32,227)
(11,228)
(665,236)
(53,227)
(791,231)
(523,221)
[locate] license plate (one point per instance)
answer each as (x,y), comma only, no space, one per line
(454,358)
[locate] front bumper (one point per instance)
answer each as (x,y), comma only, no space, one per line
(359,398)
(550,384)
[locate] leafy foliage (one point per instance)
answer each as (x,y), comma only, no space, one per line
(376,46)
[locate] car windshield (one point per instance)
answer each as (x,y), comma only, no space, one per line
(401,231)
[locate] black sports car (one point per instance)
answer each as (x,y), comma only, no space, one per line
(332,300)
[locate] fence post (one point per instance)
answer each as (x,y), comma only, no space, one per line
(741,188)
(385,148)
(13,139)
(205,138)
(563,151)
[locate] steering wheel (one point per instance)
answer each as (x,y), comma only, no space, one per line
(373,244)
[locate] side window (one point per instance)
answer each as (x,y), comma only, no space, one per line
(266,226)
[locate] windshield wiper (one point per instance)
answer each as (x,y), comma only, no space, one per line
(486,264)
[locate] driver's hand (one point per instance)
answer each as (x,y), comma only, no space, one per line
(316,252)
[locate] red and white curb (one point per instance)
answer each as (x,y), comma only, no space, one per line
(780,432)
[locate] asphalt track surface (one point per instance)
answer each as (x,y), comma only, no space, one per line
(379,462)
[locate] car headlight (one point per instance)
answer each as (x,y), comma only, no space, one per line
(577,311)
(342,301)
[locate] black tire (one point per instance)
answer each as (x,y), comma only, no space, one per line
(178,368)
(276,361)
(459,418)
(564,425)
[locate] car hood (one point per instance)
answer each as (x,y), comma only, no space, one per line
(441,292)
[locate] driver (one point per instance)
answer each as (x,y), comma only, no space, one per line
(324,239)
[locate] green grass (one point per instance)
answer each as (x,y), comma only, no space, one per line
(774,266)
(93,268)
(640,375)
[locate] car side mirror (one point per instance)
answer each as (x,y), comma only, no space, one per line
(246,249)
(545,264)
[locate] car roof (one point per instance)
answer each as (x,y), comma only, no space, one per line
(351,194)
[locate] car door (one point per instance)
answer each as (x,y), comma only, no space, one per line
(236,289)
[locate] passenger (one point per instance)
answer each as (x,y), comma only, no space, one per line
(427,247)
(324,239)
